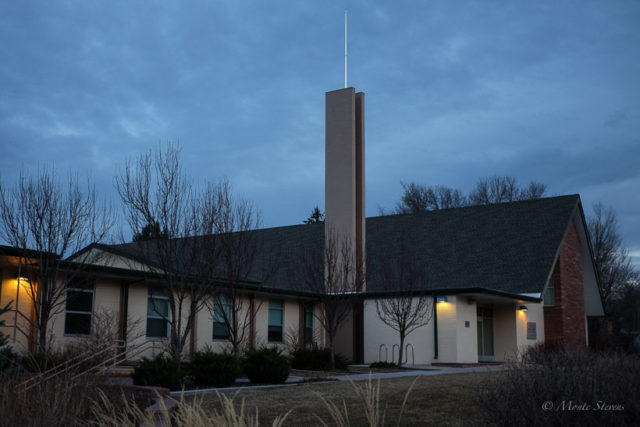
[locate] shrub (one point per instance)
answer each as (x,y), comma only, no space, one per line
(160,371)
(41,362)
(566,387)
(266,366)
(383,365)
(214,369)
(317,360)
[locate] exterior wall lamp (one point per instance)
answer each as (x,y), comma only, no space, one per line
(442,299)
(523,308)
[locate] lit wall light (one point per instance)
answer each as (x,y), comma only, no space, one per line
(442,299)
(23,279)
(523,308)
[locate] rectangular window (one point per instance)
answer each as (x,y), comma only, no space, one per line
(157,313)
(79,307)
(308,324)
(549,297)
(276,317)
(222,316)
(531,331)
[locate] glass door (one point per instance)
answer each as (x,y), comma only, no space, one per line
(485,334)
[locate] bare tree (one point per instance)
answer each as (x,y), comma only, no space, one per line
(331,272)
(406,308)
(420,198)
(502,189)
(48,219)
(182,249)
(611,257)
(496,189)
(238,248)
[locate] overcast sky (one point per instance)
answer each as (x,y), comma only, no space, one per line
(455,91)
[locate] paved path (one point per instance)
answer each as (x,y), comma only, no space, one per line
(411,371)
(420,371)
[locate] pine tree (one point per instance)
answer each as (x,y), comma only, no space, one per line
(316,216)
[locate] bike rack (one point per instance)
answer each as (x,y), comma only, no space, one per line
(386,353)
(393,352)
(406,354)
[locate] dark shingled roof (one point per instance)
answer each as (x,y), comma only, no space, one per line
(507,247)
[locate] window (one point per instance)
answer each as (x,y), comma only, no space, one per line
(157,313)
(276,315)
(549,297)
(222,314)
(79,307)
(307,335)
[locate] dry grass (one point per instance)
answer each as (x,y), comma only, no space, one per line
(434,400)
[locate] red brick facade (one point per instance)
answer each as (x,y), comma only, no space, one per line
(565,321)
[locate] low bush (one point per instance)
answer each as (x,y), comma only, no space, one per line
(41,362)
(566,387)
(160,371)
(383,365)
(317,360)
(214,369)
(266,366)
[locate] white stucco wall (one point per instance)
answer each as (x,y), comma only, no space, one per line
(377,333)
(19,298)
(291,319)
(504,332)
(466,336)
(534,313)
(106,303)
(447,330)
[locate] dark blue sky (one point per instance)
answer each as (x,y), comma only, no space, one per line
(545,90)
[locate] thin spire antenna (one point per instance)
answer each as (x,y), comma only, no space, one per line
(345,48)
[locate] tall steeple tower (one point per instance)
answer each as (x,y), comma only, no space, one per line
(344,168)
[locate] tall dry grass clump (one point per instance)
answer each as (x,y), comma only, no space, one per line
(183,412)
(61,401)
(369,395)
(566,387)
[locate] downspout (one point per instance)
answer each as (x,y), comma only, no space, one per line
(435,328)
(125,314)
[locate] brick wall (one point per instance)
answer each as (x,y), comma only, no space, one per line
(564,322)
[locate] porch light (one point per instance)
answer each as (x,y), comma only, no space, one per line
(23,279)
(441,299)
(523,308)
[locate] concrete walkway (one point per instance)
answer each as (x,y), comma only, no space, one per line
(411,371)
(420,370)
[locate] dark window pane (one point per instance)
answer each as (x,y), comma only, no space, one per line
(158,307)
(156,328)
(308,336)
(275,333)
(220,331)
(77,324)
(79,300)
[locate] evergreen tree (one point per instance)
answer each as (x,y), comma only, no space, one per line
(315,217)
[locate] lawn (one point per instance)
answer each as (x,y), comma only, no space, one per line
(435,400)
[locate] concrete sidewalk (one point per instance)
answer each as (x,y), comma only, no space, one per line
(420,370)
(411,371)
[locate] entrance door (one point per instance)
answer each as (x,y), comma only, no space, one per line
(485,334)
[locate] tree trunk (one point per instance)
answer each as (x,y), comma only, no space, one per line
(401,352)
(332,353)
